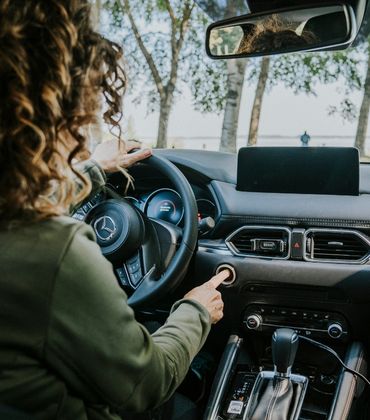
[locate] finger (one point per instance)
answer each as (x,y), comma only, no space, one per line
(130,160)
(219,278)
(133,144)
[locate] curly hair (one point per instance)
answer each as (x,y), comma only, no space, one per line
(274,35)
(55,71)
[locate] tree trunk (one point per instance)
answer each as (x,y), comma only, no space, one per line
(96,13)
(257,104)
(363,119)
(164,116)
(235,81)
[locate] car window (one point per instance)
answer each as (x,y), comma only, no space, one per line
(179,98)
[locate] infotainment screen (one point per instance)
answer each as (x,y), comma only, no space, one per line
(300,170)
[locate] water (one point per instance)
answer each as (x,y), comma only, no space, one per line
(212,143)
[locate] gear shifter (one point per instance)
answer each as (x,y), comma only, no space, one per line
(279,395)
(284,349)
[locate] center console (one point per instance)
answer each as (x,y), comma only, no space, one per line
(250,378)
(317,324)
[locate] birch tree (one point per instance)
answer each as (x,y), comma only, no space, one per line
(97,132)
(257,103)
(161,51)
(302,73)
(363,119)
(235,82)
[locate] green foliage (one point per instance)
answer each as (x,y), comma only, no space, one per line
(205,78)
(304,72)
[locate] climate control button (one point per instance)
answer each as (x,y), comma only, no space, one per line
(253,322)
(335,330)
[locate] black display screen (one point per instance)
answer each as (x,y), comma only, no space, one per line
(300,170)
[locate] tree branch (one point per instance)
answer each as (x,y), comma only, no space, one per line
(125,6)
(177,43)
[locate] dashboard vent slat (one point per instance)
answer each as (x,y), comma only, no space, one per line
(336,246)
(260,241)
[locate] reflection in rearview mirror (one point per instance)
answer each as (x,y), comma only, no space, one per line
(281,32)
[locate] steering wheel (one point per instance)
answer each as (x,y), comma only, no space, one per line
(150,256)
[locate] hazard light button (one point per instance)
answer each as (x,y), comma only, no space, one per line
(296,246)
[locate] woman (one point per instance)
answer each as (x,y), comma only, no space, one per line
(70,347)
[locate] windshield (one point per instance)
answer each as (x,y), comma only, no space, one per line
(179,98)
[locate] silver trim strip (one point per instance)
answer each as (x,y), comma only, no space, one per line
(363,260)
(234,251)
(265,324)
(223,374)
(218,251)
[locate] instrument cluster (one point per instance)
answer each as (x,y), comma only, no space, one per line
(166,204)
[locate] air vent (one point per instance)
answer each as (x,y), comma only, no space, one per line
(260,241)
(337,246)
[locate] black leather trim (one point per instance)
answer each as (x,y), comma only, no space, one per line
(292,209)
(299,221)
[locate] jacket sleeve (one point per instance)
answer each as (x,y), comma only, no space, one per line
(98,348)
(93,172)
(91,169)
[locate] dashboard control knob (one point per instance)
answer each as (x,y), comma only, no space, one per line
(335,330)
(253,322)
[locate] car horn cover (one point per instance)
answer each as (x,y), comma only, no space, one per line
(118,227)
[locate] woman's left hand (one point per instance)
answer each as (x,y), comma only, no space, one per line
(114,154)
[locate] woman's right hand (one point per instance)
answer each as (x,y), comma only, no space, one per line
(208,296)
(114,154)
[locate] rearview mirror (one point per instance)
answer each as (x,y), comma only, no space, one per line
(282,31)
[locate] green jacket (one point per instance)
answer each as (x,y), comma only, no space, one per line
(70,347)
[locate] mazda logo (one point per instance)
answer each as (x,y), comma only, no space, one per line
(105,228)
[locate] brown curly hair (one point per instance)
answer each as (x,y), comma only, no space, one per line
(274,35)
(54,71)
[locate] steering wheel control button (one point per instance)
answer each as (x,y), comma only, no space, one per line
(122,277)
(335,330)
(133,267)
(253,322)
(136,278)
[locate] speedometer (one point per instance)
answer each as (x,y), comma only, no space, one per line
(165,204)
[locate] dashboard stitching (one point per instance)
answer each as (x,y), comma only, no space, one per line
(294,221)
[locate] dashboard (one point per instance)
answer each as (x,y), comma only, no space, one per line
(300,251)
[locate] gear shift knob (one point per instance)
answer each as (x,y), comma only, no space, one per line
(284,349)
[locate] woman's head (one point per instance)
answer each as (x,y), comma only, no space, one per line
(274,35)
(54,71)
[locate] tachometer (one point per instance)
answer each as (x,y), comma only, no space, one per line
(205,209)
(165,204)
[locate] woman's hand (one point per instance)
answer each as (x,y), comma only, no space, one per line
(209,297)
(114,154)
